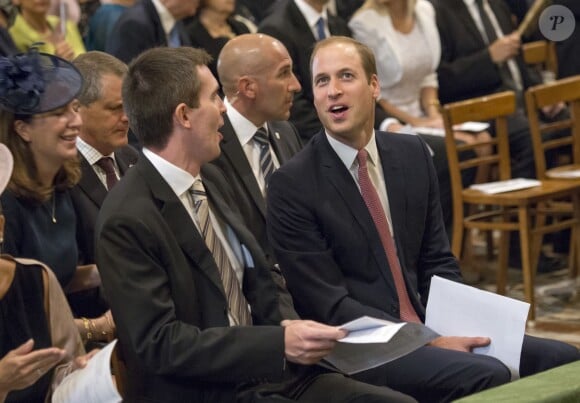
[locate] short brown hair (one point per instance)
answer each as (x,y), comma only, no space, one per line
(365,53)
(157,81)
(93,66)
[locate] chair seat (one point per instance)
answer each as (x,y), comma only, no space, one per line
(548,190)
(556,173)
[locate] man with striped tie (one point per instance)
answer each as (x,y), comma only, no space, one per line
(256,75)
(197,310)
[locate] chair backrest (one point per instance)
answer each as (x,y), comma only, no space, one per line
(495,108)
(566,90)
(541,54)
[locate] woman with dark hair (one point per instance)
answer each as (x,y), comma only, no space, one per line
(214,25)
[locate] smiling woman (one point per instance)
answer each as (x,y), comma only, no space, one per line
(39,123)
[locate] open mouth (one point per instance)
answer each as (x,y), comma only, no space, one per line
(338,111)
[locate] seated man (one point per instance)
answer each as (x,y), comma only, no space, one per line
(196,307)
(355,223)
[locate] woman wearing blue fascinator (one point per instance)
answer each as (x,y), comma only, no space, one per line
(39,123)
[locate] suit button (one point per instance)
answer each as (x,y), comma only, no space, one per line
(394,309)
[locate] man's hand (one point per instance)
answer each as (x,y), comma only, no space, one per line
(465,344)
(505,48)
(306,342)
(22,367)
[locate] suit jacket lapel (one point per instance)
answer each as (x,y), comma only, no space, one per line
(90,183)
(279,146)
(303,29)
(341,179)
(464,18)
(233,151)
(184,230)
(395,184)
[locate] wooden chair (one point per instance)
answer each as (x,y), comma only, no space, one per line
(541,54)
(565,90)
(505,212)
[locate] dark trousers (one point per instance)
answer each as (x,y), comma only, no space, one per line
(433,375)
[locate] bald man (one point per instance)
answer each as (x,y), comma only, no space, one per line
(257,79)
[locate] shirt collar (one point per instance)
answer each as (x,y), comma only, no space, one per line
(179,181)
(167,20)
(243,128)
(347,154)
(91,154)
(310,14)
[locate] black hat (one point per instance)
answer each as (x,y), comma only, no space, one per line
(33,82)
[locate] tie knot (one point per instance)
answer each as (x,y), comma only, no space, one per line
(362,158)
(261,137)
(197,190)
(106,164)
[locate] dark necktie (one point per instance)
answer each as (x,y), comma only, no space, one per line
(174,41)
(373,203)
(320,29)
(106,164)
(266,162)
(238,306)
(491,34)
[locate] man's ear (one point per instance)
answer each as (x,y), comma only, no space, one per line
(180,116)
(247,86)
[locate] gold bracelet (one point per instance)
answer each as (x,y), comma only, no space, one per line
(86,324)
(433,102)
(109,318)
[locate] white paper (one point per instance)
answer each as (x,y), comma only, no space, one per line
(506,186)
(573,173)
(474,127)
(92,384)
(370,330)
(456,309)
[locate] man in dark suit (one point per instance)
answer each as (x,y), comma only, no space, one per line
(256,74)
(355,223)
(293,22)
(149,24)
(103,135)
(196,308)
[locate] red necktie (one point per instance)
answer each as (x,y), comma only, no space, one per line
(371,198)
(106,164)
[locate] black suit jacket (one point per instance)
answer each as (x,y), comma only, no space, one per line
(466,69)
(234,163)
(327,244)
(88,196)
(138,29)
(288,25)
(168,300)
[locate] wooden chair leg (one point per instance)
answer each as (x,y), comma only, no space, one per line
(502,262)
(525,245)
(575,239)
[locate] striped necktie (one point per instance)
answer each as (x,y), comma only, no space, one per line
(373,203)
(266,163)
(237,304)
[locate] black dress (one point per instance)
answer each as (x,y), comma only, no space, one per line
(200,38)
(22,317)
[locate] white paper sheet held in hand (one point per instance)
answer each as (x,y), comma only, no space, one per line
(92,384)
(455,309)
(370,330)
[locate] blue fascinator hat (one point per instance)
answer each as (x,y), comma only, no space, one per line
(34,82)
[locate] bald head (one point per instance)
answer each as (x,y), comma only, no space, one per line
(247,55)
